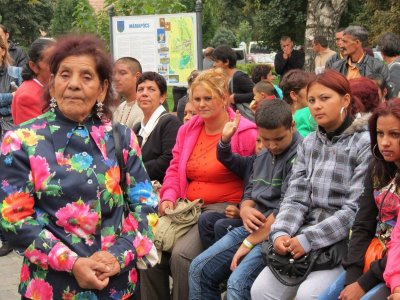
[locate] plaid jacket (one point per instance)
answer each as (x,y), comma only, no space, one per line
(320,204)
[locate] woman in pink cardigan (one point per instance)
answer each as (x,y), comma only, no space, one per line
(194,173)
(392,270)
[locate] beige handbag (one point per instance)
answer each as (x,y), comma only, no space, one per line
(176,223)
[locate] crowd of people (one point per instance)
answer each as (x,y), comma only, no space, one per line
(91,162)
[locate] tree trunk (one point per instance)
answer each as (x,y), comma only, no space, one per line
(323,17)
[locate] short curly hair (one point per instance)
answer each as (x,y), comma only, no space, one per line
(259,72)
(80,45)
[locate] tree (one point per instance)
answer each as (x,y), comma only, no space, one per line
(323,18)
(24,18)
(230,12)
(379,17)
(63,17)
(224,36)
(84,18)
(276,18)
(243,33)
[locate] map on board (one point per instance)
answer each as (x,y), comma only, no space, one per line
(182,46)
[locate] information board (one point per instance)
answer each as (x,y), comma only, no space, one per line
(166,44)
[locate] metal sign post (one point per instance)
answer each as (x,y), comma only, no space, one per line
(199,35)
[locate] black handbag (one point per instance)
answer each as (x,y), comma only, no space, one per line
(292,272)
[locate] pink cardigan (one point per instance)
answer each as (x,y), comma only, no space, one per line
(392,269)
(175,181)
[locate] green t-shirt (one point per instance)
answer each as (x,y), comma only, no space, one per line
(305,123)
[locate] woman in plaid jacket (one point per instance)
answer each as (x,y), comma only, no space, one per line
(321,201)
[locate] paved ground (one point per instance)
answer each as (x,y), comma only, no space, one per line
(10,267)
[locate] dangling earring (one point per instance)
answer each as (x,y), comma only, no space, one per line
(99,109)
(373,153)
(53,104)
(341,113)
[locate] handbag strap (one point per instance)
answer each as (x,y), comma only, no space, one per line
(120,160)
(297,281)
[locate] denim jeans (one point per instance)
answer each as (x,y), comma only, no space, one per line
(214,225)
(212,267)
(333,292)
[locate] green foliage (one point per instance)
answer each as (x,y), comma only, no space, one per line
(230,12)
(84,18)
(249,67)
(246,68)
(351,10)
(63,17)
(280,17)
(24,18)
(244,32)
(209,22)
(379,17)
(260,20)
(223,36)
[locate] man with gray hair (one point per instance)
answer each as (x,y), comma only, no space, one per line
(389,45)
(358,63)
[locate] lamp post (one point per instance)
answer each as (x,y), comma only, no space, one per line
(110,15)
(199,35)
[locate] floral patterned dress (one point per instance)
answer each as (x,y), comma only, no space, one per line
(61,199)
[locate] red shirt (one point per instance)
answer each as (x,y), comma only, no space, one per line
(208,178)
(28,102)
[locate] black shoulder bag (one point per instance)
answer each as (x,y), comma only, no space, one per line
(292,272)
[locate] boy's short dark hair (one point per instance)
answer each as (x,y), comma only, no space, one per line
(265,87)
(274,114)
(132,63)
(225,53)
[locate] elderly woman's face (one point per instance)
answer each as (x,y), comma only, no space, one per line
(77,87)
(149,97)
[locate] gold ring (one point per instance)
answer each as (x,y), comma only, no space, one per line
(290,249)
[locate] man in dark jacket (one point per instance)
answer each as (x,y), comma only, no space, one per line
(358,63)
(19,58)
(288,59)
(340,50)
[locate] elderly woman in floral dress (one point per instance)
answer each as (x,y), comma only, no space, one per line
(62,204)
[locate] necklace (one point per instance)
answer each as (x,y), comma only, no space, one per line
(125,113)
